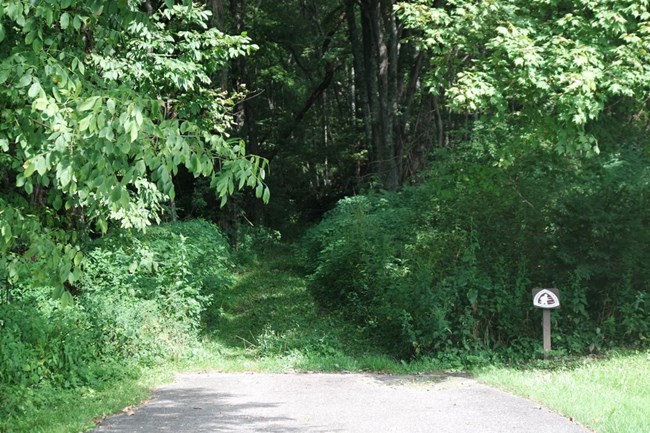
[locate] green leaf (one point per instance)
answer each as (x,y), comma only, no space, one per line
(64,20)
(24,81)
(49,17)
(65,176)
(34,89)
(116,194)
(76,23)
(57,293)
(267,195)
(2,32)
(110,105)
(4,75)
(133,132)
(40,104)
(29,168)
(57,203)
(6,232)
(85,122)
(102,224)
(78,257)
(66,299)
(30,37)
(37,45)
(88,104)
(41,165)
(137,113)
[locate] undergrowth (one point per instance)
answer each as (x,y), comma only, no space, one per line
(446,268)
(140,304)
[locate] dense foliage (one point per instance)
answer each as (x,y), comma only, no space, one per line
(447,267)
(141,303)
(100,105)
(542,184)
(550,73)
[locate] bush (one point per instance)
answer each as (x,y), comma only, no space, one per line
(140,303)
(449,265)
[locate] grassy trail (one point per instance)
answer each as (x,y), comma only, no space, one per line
(268,322)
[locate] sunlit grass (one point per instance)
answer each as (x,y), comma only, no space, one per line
(608,395)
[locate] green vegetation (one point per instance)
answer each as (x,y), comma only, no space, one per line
(433,161)
(446,268)
(76,410)
(141,303)
(608,395)
(101,103)
(258,315)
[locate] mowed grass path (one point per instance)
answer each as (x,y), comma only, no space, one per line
(268,321)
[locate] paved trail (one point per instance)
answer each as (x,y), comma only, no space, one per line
(320,403)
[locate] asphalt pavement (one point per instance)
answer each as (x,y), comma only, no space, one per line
(320,403)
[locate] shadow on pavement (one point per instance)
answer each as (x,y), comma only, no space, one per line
(201,410)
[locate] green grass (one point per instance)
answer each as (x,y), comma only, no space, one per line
(610,395)
(268,322)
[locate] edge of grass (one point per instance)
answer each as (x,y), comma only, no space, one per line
(608,394)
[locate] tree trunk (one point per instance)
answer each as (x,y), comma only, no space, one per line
(361,99)
(380,65)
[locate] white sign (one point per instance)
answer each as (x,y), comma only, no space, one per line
(546,298)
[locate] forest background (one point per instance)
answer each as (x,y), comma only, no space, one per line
(431,162)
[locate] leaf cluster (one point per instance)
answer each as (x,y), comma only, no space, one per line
(537,74)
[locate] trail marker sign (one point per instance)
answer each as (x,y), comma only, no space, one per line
(547,299)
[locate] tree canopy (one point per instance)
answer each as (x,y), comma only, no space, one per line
(101,105)
(556,74)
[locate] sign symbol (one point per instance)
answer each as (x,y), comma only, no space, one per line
(546,298)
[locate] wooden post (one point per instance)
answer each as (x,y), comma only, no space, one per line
(546,324)
(547,300)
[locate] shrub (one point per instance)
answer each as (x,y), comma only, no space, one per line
(179,265)
(139,303)
(448,265)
